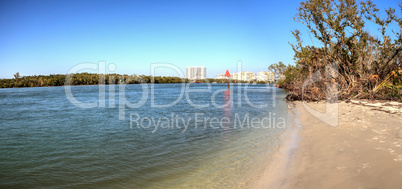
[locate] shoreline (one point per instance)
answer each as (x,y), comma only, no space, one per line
(275,174)
(363,151)
(128,84)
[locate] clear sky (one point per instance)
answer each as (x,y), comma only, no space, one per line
(50,37)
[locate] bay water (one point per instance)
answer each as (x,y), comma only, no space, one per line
(139,136)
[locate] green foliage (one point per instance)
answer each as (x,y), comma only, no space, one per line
(84,79)
(393,89)
(96,79)
(17,75)
(278,68)
(339,27)
(292,73)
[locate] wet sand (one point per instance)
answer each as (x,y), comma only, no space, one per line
(363,151)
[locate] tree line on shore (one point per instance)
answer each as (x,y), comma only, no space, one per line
(95,79)
(83,79)
(357,63)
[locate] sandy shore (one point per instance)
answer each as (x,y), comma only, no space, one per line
(363,151)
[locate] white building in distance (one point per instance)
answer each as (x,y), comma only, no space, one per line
(250,76)
(243,76)
(221,76)
(266,76)
(196,72)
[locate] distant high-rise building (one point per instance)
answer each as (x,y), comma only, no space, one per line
(196,72)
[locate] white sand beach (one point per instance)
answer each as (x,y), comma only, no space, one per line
(363,151)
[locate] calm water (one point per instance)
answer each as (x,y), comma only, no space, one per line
(46,141)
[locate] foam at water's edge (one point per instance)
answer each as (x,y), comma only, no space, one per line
(275,174)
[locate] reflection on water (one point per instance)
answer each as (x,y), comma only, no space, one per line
(228,104)
(48,142)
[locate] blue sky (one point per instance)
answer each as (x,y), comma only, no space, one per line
(50,37)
